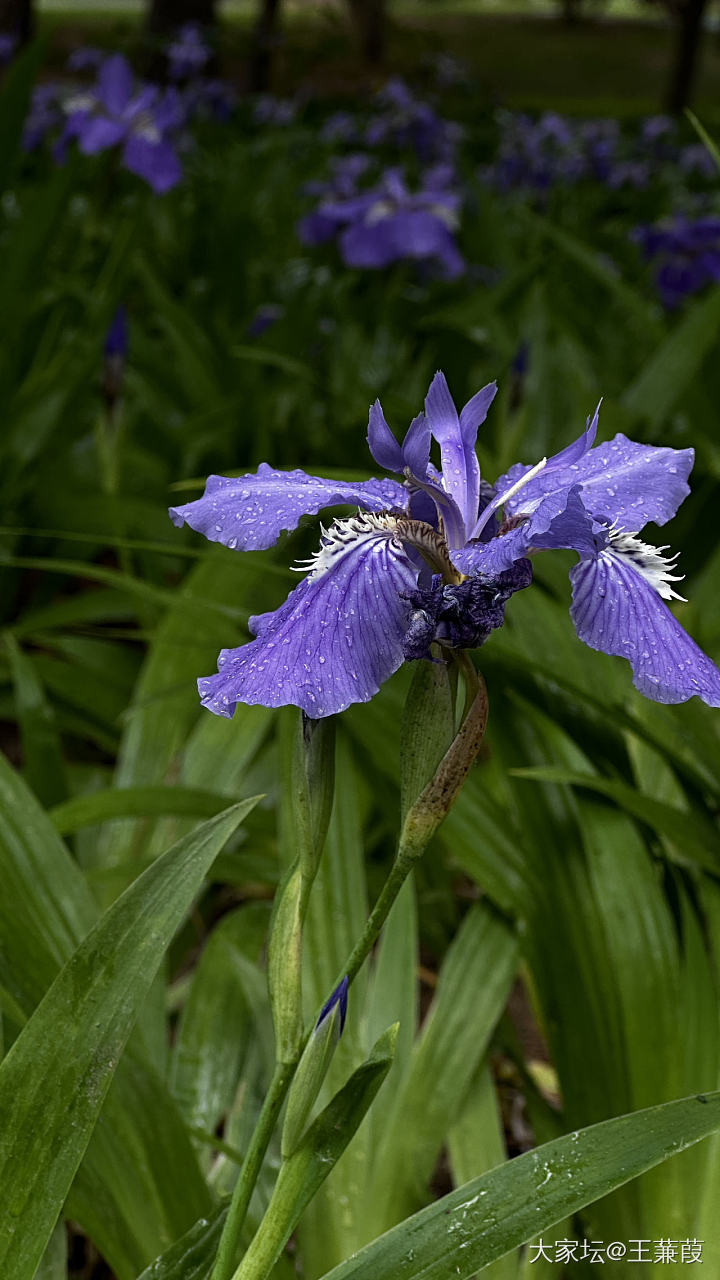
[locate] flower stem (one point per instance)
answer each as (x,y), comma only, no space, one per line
(225,1260)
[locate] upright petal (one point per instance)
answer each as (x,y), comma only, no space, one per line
(475,413)
(460,470)
(115,84)
(338,636)
(416,447)
(155,161)
(382,443)
(617,611)
(248,513)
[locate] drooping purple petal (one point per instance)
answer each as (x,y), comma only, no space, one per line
(250,512)
(156,162)
(371,245)
(115,84)
(97,133)
(617,611)
(336,639)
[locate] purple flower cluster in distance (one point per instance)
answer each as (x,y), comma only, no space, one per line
(407,123)
(685,253)
(434,555)
(555,151)
(389,222)
(399,121)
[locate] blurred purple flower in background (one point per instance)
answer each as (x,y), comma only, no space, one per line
(550,151)
(115,349)
(685,253)
(265,317)
(389,223)
(269,110)
(87,58)
(8,45)
(188,53)
(139,119)
(405,122)
(44,117)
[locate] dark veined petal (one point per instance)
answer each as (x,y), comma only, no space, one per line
(248,513)
(339,634)
(616,610)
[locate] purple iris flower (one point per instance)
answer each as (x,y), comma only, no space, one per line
(188,53)
(140,120)
(8,45)
(389,223)
(686,255)
(430,558)
(265,317)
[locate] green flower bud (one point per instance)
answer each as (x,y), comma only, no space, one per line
(313,1068)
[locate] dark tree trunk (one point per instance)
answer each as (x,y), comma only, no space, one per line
(17,18)
(165,16)
(265,38)
(689,18)
(571,12)
(369,19)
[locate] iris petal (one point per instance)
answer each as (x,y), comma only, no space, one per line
(336,638)
(632,484)
(115,83)
(460,470)
(616,611)
(250,512)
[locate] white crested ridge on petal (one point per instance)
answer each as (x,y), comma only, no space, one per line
(342,536)
(651,562)
(338,636)
(617,610)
